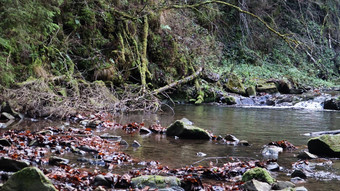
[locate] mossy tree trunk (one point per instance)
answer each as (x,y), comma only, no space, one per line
(144,61)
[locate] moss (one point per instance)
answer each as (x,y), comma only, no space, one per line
(30,179)
(235,85)
(258,173)
(182,129)
(155,181)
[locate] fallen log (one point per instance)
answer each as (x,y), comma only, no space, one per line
(173,84)
(318,133)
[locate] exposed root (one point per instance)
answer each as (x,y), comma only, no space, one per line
(44,98)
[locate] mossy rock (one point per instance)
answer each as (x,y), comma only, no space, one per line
(184,129)
(28,179)
(251,91)
(235,85)
(259,174)
(155,181)
(268,87)
(325,145)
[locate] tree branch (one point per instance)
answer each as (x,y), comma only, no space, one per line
(285,37)
(173,84)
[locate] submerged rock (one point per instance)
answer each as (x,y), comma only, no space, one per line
(258,173)
(325,145)
(28,179)
(155,181)
(254,185)
(184,129)
(10,165)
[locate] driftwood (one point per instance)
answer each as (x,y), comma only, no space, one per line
(173,84)
(323,133)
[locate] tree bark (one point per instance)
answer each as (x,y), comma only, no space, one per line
(173,84)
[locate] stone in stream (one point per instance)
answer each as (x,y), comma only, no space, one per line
(100,180)
(144,130)
(298,173)
(332,104)
(281,185)
(258,173)
(231,138)
(255,185)
(123,143)
(155,181)
(10,165)
(273,166)
(53,160)
(325,145)
(115,138)
(28,179)
(136,144)
(306,155)
(271,152)
(243,143)
(5,142)
(87,149)
(184,129)
(251,91)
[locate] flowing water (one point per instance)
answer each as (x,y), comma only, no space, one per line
(256,125)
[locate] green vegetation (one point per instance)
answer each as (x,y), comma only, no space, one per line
(156,42)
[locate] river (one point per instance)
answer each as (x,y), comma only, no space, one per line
(258,126)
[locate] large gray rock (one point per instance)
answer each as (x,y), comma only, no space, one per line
(184,129)
(28,179)
(254,185)
(10,165)
(155,181)
(325,145)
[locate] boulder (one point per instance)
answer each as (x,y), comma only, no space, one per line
(231,138)
(184,129)
(268,87)
(325,145)
(155,181)
(10,165)
(210,76)
(280,185)
(28,179)
(258,173)
(254,185)
(235,85)
(333,104)
(144,130)
(251,91)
